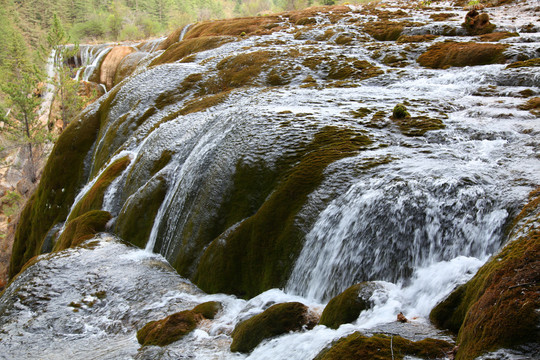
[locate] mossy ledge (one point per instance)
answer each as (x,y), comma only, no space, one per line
(82,228)
(258,254)
(383,347)
(448,54)
(497,308)
(347,306)
(176,326)
(61,179)
(93,199)
(187,47)
(276,320)
(135,220)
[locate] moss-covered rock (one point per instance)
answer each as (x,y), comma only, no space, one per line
(533,105)
(383,347)
(187,47)
(400,112)
(93,199)
(259,25)
(166,331)
(447,54)
(527,63)
(136,219)
(62,177)
(385,30)
(418,125)
(176,326)
(208,309)
(477,23)
(497,36)
(276,320)
(347,306)
(258,253)
(82,228)
(497,308)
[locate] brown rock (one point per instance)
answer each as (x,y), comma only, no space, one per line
(401,318)
(110,64)
(478,23)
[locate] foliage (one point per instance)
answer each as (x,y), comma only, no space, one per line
(22,125)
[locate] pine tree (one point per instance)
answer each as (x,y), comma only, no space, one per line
(21,124)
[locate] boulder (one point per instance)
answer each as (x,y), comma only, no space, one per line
(276,320)
(447,54)
(477,23)
(176,326)
(347,306)
(358,346)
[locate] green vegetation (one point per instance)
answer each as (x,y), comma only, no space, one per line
(383,347)
(347,306)
(276,320)
(135,220)
(82,228)
(447,54)
(50,203)
(94,197)
(497,307)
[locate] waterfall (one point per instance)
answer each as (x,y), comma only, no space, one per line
(404,218)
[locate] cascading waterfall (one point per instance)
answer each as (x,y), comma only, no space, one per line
(402,219)
(417,215)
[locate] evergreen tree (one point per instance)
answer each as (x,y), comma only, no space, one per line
(21,124)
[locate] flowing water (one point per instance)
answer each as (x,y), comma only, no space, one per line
(418,214)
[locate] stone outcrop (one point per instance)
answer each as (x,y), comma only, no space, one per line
(110,64)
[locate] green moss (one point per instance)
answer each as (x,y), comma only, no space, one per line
(361,112)
(160,163)
(59,184)
(385,30)
(347,306)
(497,307)
(203,103)
(527,63)
(258,253)
(306,21)
(278,77)
(82,228)
(166,331)
(259,25)
(400,112)
(447,54)
(383,347)
(93,199)
(533,105)
(343,39)
(378,120)
(276,320)
(187,47)
(242,69)
(174,95)
(418,125)
(347,68)
(497,36)
(136,219)
(416,38)
(208,309)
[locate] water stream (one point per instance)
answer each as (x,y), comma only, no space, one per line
(417,214)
